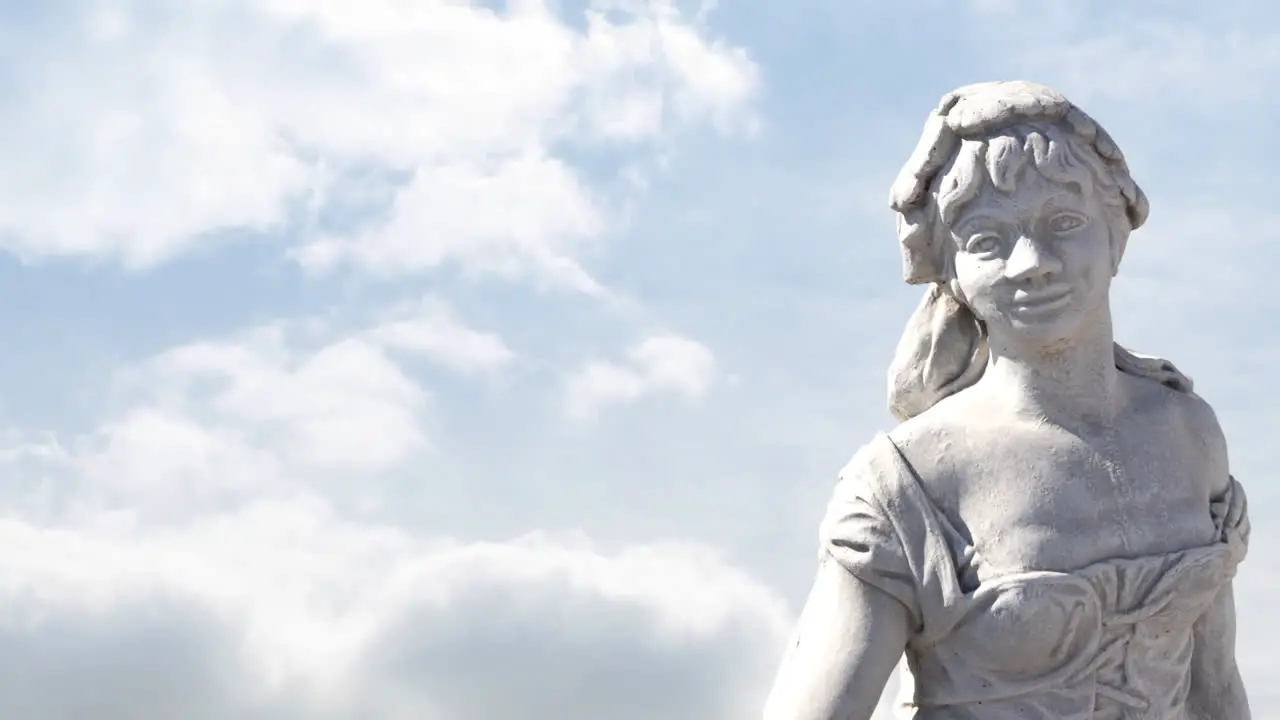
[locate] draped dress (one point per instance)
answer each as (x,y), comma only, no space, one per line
(1109,641)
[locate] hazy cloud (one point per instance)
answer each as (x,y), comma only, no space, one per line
(660,364)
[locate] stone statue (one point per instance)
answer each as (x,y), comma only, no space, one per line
(1052,530)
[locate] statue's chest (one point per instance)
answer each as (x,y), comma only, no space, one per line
(1071,503)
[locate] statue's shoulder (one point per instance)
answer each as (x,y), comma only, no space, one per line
(895,482)
(939,446)
(1197,416)
(1191,423)
(956,420)
(1182,409)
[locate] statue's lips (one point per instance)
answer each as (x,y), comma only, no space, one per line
(1042,300)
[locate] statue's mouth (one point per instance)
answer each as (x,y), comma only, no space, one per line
(1044,300)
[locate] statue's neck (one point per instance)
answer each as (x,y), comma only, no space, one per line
(1077,380)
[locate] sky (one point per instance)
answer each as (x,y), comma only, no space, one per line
(475,360)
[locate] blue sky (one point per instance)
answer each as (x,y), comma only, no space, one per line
(363,358)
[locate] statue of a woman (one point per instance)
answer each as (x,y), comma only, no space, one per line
(1052,530)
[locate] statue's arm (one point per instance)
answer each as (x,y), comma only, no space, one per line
(849,639)
(1217,691)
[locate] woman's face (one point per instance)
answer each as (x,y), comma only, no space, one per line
(1036,264)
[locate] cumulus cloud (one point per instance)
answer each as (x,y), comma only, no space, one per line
(283,610)
(660,364)
(214,423)
(431,329)
(139,129)
(192,556)
(337,404)
(195,565)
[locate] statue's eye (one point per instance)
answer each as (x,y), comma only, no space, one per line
(1065,223)
(982,244)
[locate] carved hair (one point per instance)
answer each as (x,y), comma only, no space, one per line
(987,133)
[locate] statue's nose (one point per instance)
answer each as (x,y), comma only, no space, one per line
(1030,260)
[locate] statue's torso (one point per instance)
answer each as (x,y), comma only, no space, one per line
(1035,496)
(1059,574)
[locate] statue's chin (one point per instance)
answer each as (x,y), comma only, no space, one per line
(1041,332)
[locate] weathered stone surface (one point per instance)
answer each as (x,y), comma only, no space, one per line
(1052,530)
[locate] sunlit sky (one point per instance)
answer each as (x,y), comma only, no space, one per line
(434,359)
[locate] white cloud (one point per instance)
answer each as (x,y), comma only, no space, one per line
(431,329)
(214,424)
(158,460)
(523,213)
(341,405)
(195,565)
(283,610)
(138,130)
(660,364)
